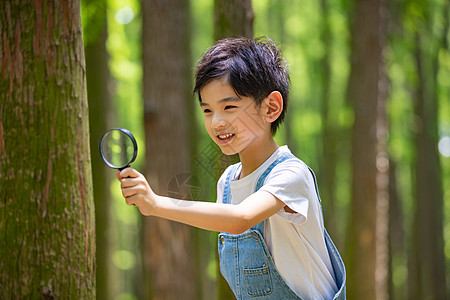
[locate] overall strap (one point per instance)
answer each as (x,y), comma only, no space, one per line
(315,184)
(227,189)
(335,257)
(280,159)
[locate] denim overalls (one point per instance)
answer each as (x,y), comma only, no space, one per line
(245,261)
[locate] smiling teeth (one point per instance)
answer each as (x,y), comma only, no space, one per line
(225,136)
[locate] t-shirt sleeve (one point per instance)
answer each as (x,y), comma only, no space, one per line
(292,183)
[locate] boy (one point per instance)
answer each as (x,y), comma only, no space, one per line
(273,243)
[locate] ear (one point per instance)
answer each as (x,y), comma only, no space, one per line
(273,106)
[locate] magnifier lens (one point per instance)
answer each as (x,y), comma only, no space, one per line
(118,148)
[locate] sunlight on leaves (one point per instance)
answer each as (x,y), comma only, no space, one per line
(124,15)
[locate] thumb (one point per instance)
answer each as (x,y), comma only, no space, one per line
(118,174)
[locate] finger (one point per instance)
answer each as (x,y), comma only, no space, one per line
(118,174)
(128,182)
(129,172)
(129,192)
(130,201)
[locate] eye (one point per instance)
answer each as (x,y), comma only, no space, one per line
(229,107)
(206,110)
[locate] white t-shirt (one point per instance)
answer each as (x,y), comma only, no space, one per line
(295,240)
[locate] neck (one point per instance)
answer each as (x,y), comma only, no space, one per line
(253,157)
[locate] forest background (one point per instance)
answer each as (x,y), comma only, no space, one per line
(369,111)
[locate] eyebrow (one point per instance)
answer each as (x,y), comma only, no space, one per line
(226,99)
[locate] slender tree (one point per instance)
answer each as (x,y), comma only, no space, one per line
(46,205)
(233,18)
(367,91)
(330,128)
(396,234)
(427,278)
(99,99)
(167,246)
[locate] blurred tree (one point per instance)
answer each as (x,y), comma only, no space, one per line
(99,99)
(46,206)
(395,233)
(167,246)
(367,91)
(427,261)
(330,126)
(232,18)
(398,215)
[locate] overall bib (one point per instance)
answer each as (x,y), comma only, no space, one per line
(245,261)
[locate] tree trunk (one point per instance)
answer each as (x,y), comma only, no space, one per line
(428,267)
(367,252)
(396,235)
(99,98)
(168,247)
(46,208)
(330,128)
(233,18)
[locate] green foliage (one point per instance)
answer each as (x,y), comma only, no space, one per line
(93,23)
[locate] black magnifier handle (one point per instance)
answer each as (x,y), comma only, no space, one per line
(123,168)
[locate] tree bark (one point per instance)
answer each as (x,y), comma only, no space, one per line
(168,247)
(367,91)
(46,208)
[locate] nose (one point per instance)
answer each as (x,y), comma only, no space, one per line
(218,121)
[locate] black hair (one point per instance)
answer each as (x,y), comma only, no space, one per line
(253,68)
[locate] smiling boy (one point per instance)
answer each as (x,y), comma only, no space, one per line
(272,244)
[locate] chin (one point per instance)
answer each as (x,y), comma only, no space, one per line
(228,150)
(229,153)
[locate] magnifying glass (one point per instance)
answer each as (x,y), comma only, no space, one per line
(118,148)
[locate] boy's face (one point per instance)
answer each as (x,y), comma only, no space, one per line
(233,122)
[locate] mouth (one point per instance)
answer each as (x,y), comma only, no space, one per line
(225,137)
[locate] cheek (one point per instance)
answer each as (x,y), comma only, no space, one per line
(251,126)
(208,126)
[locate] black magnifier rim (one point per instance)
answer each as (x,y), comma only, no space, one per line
(133,140)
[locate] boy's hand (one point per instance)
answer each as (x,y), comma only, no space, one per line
(136,190)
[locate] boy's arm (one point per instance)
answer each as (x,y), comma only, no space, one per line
(207,215)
